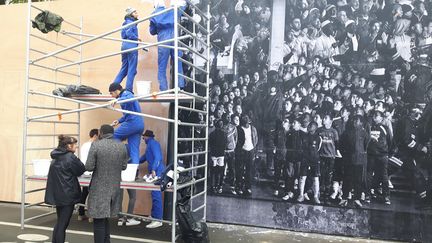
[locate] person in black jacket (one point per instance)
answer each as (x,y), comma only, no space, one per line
(280,150)
(63,189)
(354,144)
(217,143)
(378,151)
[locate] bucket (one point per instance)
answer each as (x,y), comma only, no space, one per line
(130,173)
(41,167)
(143,87)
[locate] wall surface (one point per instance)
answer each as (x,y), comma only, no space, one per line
(98,17)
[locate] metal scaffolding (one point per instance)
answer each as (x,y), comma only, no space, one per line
(37,111)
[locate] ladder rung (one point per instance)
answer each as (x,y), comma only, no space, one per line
(192,65)
(52,42)
(192,139)
(193,182)
(198,208)
(193,95)
(35,190)
(193,80)
(34,204)
(191,109)
(193,168)
(191,154)
(39,216)
(188,124)
(199,194)
(47,108)
(61,122)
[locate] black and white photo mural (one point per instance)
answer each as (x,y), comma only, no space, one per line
(320,116)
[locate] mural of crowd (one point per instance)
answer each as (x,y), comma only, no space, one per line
(347,107)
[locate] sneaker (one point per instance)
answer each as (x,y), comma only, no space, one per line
(387,200)
(300,198)
(367,199)
(249,191)
(240,192)
(316,200)
(357,203)
(146,177)
(306,197)
(349,196)
(343,202)
(390,185)
(82,217)
(120,222)
(219,190)
(132,222)
(233,191)
(288,196)
(276,193)
(90,220)
(363,196)
(154,224)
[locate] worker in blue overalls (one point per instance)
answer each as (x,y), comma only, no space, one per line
(129,59)
(131,126)
(163,26)
(153,155)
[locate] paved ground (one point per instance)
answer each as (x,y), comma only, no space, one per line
(81,232)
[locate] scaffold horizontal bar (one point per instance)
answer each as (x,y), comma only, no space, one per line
(192,65)
(104,34)
(193,20)
(198,9)
(120,40)
(39,216)
(39,149)
(120,52)
(74,25)
(34,204)
(35,190)
(193,95)
(199,194)
(52,42)
(147,218)
(193,168)
(199,208)
(50,135)
(46,81)
(188,48)
(53,69)
(191,109)
(193,36)
(44,53)
(94,106)
(191,139)
(191,154)
(56,122)
(193,80)
(47,108)
(189,124)
(192,182)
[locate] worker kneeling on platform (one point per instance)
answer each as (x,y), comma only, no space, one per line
(153,155)
(131,126)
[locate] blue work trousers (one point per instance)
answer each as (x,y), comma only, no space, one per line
(128,68)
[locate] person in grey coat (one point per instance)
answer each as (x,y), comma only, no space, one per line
(107,158)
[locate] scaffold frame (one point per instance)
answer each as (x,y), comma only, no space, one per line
(174,96)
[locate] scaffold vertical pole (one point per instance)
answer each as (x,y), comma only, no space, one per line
(24,140)
(176,120)
(207,110)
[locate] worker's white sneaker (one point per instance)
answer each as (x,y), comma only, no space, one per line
(132,222)
(154,224)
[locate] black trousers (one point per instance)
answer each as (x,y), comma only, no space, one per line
(101,230)
(377,172)
(327,169)
(415,174)
(354,178)
(243,171)
(84,194)
(64,213)
(230,168)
